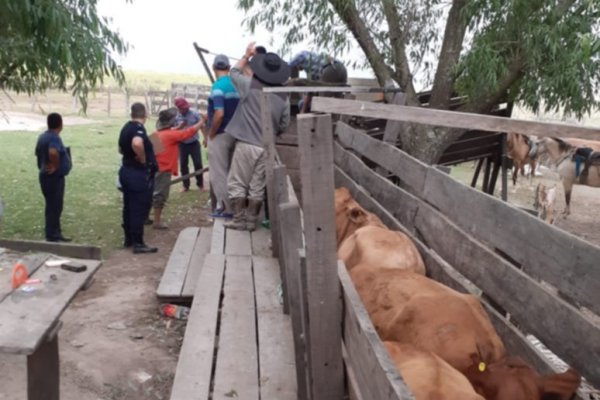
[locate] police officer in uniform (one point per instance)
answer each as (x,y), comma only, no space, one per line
(137,178)
(54,163)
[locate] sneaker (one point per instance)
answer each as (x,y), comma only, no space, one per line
(220,214)
(143,249)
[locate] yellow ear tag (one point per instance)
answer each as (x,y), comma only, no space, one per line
(481,366)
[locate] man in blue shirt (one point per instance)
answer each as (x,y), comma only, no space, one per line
(54,163)
(222,104)
(190,147)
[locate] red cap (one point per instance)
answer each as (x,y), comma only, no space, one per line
(180,102)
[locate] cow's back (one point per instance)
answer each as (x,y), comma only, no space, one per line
(410,308)
(382,247)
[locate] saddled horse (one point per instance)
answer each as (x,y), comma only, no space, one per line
(561,155)
(519,147)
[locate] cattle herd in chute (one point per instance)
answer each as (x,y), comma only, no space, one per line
(440,340)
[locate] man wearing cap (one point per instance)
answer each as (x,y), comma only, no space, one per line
(222,103)
(190,147)
(137,178)
(246,181)
(167,158)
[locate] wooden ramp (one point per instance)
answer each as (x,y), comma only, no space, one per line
(238,343)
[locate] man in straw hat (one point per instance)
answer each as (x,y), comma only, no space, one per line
(246,180)
(167,158)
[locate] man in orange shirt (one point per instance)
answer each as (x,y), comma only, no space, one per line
(167,158)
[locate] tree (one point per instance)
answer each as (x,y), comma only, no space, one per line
(61,44)
(543,54)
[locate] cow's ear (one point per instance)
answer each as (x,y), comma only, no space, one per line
(357,215)
(560,386)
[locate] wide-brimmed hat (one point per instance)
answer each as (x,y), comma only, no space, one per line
(270,69)
(221,62)
(166,119)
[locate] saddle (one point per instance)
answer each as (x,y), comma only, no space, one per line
(588,157)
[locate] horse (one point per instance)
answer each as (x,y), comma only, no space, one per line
(561,155)
(519,149)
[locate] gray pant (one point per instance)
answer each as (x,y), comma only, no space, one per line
(247,174)
(220,150)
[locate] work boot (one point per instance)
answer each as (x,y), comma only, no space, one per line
(143,248)
(239,214)
(252,213)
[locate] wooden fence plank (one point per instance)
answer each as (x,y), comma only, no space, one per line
(60,249)
(324,305)
(270,164)
(173,278)
(217,244)
(280,196)
(201,249)
(550,254)
(236,371)
(289,156)
(291,238)
(275,337)
(532,305)
(410,171)
(375,372)
(194,367)
(238,243)
(442,272)
(451,119)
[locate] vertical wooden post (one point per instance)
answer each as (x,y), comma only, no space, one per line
(280,196)
(127,101)
(392,128)
(315,138)
(269,145)
(109,89)
(291,240)
(504,169)
(43,373)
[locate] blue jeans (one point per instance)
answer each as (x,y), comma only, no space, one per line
(53,189)
(192,150)
(138,187)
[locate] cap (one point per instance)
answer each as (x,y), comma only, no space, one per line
(221,62)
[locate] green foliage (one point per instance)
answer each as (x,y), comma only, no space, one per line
(558,49)
(60,44)
(547,50)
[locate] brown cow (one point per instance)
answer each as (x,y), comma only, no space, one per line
(349,216)
(518,148)
(428,376)
(374,245)
(410,308)
(513,379)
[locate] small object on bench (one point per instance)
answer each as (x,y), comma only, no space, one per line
(18,275)
(74,266)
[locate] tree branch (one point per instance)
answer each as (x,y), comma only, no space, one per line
(454,34)
(349,15)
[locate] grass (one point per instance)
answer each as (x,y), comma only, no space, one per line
(92,210)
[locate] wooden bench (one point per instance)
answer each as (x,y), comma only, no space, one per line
(29,320)
(238,342)
(178,282)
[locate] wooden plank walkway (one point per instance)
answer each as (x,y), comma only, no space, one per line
(238,342)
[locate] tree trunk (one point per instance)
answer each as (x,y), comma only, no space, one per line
(427,143)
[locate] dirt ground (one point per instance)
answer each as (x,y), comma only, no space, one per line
(585,204)
(114,344)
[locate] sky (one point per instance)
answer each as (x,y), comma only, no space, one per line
(162,33)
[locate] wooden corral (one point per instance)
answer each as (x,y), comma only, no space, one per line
(532,278)
(196,95)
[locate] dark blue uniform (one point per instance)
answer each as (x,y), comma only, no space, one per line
(137,182)
(52,184)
